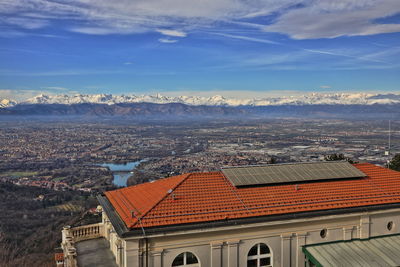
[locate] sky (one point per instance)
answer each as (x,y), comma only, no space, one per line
(199,47)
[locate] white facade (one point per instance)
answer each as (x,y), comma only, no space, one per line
(229,246)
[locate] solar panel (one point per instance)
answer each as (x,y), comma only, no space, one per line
(291,172)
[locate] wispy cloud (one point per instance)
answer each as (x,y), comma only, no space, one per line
(330,19)
(246,38)
(17,94)
(10,33)
(335,53)
(167,41)
(26,23)
(173,33)
(300,19)
(339,54)
(76,72)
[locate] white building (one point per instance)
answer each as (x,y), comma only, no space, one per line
(311,214)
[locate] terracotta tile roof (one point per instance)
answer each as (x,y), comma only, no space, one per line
(202,197)
(141,198)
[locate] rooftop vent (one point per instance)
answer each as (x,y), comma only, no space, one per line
(290,173)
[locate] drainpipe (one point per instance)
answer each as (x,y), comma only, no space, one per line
(147,252)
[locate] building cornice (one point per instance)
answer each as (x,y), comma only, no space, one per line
(125,232)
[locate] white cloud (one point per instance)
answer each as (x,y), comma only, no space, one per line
(16,94)
(173,33)
(330,19)
(26,23)
(336,53)
(246,38)
(300,19)
(325,87)
(167,41)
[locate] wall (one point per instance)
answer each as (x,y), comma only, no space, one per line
(229,246)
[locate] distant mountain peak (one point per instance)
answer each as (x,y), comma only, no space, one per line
(216,100)
(6,103)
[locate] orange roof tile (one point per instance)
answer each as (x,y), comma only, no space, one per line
(135,201)
(202,197)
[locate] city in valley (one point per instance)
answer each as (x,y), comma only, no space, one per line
(51,170)
(183,133)
(75,156)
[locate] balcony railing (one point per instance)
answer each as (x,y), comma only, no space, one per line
(72,235)
(86,232)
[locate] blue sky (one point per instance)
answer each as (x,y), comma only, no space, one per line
(204,47)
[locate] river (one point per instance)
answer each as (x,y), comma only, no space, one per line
(121,172)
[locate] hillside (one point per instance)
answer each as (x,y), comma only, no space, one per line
(30,228)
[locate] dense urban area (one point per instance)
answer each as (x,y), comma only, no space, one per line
(69,155)
(52,170)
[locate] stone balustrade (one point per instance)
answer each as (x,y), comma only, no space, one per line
(86,232)
(76,234)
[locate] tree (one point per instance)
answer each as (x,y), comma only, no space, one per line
(338,157)
(273,160)
(394,164)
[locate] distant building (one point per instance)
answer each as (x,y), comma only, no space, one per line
(311,214)
(59,258)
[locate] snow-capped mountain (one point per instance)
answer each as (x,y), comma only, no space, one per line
(5,103)
(218,100)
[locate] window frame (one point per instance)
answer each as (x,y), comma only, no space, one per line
(260,256)
(185,260)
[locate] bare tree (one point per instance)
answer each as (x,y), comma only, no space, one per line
(8,252)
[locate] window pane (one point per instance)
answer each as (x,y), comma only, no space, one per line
(265,262)
(178,260)
(264,249)
(253,251)
(191,258)
(252,263)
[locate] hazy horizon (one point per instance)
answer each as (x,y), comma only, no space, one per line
(147,47)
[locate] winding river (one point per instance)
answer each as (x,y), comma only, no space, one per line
(121,172)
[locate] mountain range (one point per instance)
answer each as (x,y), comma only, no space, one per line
(217,100)
(362,105)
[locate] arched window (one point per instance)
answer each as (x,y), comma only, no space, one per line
(186,259)
(259,256)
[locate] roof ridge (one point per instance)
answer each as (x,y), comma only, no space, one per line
(127,203)
(284,164)
(116,203)
(233,189)
(185,176)
(148,182)
(132,207)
